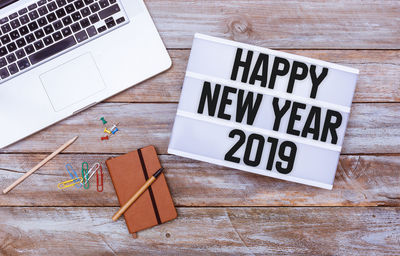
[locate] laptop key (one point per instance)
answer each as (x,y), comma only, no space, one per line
(30,38)
(20,53)
(41,2)
(85,23)
(76,16)
(3,20)
(87,2)
(61,13)
(14,35)
(94,7)
(94,18)
(33,26)
(3,51)
(57,36)
(120,20)
(58,25)
(66,31)
(13,68)
(51,17)
(6,28)
(38,45)
(4,73)
(13,16)
(3,62)
(75,27)
(61,3)
(23,64)
(21,42)
(11,58)
(42,21)
(52,50)
(29,49)
(70,8)
(104,3)
(52,6)
(32,6)
(24,19)
(85,12)
(15,24)
(102,29)
(5,39)
(81,36)
(79,4)
(48,40)
(22,11)
(48,29)
(109,11)
(39,33)
(23,30)
(110,22)
(67,20)
(91,31)
(43,10)
(11,47)
(33,15)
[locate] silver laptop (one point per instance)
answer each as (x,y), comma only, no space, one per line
(58,57)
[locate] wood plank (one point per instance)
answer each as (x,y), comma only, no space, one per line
(204,231)
(378,80)
(349,24)
(373,128)
(360,181)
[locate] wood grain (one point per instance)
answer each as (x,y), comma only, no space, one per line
(379,79)
(360,181)
(373,128)
(203,231)
(343,24)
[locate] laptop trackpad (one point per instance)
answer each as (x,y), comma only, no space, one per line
(72,82)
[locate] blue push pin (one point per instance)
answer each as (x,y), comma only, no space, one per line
(115,130)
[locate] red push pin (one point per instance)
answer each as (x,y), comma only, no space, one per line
(104,138)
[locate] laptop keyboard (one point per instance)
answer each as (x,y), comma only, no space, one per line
(43,29)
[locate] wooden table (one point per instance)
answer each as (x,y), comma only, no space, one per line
(223,211)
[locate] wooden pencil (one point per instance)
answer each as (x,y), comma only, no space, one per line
(39,165)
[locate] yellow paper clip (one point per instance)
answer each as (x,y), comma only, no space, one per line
(69,183)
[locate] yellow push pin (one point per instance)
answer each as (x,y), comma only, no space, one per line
(107,131)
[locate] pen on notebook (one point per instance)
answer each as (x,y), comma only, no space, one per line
(137,195)
(39,165)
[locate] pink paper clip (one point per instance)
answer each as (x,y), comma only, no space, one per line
(99,181)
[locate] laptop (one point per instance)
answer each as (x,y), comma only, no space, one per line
(59,57)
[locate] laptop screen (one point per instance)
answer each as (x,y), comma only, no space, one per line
(4,3)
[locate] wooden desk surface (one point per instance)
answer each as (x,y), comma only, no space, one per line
(224,211)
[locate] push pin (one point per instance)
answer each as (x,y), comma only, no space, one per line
(107,131)
(115,130)
(103,120)
(104,138)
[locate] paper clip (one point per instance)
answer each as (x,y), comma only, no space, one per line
(92,171)
(103,120)
(69,183)
(74,175)
(85,174)
(100,182)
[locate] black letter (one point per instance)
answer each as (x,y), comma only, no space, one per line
(294,117)
(261,61)
(331,126)
(279,113)
(315,112)
(247,106)
(245,64)
(211,99)
(225,101)
(316,81)
(277,72)
(294,76)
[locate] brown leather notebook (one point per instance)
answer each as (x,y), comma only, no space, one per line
(128,173)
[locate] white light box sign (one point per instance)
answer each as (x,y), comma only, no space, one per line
(263,111)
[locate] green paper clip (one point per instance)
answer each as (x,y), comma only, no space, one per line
(85,168)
